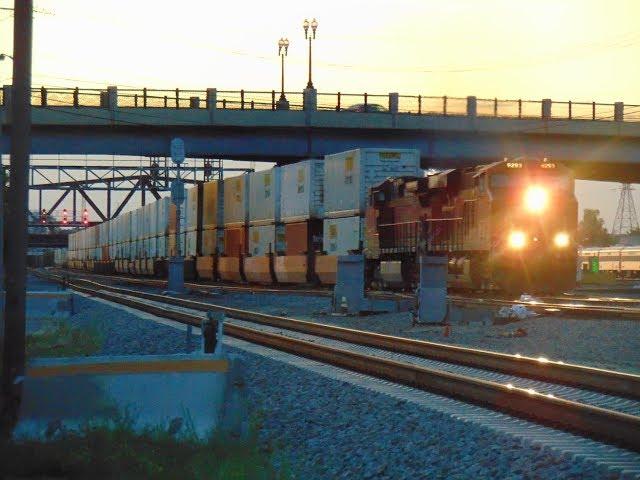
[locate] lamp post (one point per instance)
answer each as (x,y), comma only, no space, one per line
(4,55)
(283,48)
(310,36)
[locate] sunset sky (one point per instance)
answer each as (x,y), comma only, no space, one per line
(570,49)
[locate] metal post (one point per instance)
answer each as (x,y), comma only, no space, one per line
(15,297)
(74,204)
(309,83)
(109,200)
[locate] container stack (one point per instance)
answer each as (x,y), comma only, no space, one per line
(212,235)
(301,209)
(161,231)
(236,216)
(266,233)
(348,176)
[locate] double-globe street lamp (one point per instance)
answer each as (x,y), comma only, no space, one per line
(314,25)
(283,48)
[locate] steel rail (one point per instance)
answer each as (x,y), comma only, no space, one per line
(607,381)
(623,313)
(615,427)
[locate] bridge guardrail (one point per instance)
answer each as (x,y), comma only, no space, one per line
(356,102)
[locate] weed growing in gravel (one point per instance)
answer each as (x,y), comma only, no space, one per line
(115,451)
(64,341)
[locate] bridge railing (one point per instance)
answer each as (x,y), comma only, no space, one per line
(338,101)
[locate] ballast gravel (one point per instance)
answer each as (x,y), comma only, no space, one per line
(603,343)
(328,429)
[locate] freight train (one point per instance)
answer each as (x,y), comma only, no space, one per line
(509,225)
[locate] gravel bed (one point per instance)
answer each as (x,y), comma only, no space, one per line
(603,343)
(331,429)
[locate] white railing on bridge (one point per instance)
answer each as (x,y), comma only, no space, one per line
(392,103)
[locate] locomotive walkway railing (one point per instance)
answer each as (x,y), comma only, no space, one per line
(391,103)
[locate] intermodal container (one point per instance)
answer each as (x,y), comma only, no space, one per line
(348,176)
(264,196)
(236,201)
(340,235)
(213,205)
(302,188)
(266,239)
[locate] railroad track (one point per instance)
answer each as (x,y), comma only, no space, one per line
(575,306)
(597,403)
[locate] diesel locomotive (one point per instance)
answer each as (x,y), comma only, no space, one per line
(508,226)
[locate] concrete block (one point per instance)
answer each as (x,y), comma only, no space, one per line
(546,108)
(182,393)
(394,100)
(472,106)
(310,99)
(618,111)
(432,290)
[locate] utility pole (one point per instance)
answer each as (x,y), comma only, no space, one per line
(17,211)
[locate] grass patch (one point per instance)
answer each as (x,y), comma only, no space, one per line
(64,341)
(117,452)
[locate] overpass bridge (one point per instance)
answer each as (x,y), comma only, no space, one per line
(599,140)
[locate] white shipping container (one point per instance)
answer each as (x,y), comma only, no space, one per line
(266,238)
(191,239)
(161,246)
(148,211)
(152,249)
(236,200)
(191,213)
(162,225)
(342,234)
(264,196)
(136,216)
(348,176)
(302,192)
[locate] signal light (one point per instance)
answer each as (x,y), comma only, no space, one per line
(85,217)
(43,216)
(65,220)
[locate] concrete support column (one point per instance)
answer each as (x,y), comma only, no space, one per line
(310,99)
(618,111)
(112,97)
(212,98)
(394,100)
(432,290)
(546,109)
(6,96)
(194,102)
(348,294)
(472,106)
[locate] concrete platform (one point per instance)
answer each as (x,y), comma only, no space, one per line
(184,394)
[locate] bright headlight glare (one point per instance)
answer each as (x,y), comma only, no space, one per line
(517,240)
(536,199)
(561,239)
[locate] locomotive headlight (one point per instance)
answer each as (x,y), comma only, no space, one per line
(517,240)
(561,240)
(536,199)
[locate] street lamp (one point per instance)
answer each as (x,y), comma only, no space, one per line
(4,55)
(283,48)
(314,26)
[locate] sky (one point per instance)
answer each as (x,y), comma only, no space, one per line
(581,50)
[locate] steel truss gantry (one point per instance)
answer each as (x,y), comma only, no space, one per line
(78,177)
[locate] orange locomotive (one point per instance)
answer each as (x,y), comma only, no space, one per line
(507,226)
